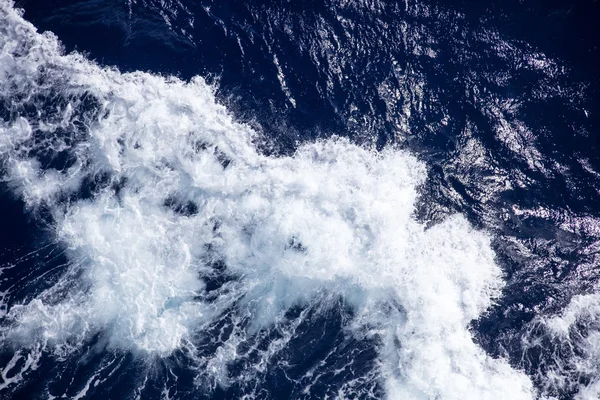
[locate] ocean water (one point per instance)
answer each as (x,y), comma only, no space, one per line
(271,200)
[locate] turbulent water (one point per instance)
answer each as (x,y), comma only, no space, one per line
(348,199)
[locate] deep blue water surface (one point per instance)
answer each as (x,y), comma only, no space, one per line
(500,100)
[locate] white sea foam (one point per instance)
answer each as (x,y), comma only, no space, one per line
(332,219)
(573,338)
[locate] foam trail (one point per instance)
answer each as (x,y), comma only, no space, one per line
(154,190)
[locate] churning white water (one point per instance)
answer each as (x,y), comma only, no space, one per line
(180,187)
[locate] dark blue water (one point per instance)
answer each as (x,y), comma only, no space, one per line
(499,99)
